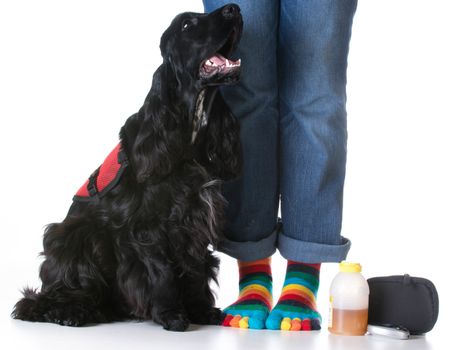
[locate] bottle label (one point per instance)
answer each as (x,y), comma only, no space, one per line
(330,315)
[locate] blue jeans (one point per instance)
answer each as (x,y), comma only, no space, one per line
(291,107)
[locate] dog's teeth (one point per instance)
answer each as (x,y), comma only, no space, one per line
(230,64)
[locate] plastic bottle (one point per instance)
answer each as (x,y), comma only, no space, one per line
(349,291)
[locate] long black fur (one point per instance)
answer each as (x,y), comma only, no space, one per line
(144,249)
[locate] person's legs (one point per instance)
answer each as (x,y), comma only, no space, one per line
(312,60)
(251,229)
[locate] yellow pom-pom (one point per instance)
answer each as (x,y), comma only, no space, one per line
(286,324)
(244,322)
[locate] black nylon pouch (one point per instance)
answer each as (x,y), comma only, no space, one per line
(403,301)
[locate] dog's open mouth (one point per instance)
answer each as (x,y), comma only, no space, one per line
(219,65)
(218,68)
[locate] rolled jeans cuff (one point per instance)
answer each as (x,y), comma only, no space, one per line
(250,250)
(309,252)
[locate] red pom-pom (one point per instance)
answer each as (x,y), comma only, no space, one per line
(306,325)
(227,319)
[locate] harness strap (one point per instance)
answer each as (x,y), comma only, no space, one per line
(92,183)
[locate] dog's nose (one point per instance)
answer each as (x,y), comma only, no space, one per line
(230,11)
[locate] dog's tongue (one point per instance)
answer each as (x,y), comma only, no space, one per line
(218,60)
(217,64)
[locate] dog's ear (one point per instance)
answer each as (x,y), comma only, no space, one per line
(157,144)
(222,144)
(171,62)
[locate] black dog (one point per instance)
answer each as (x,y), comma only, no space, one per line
(137,240)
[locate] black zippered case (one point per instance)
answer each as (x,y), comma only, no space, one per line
(403,301)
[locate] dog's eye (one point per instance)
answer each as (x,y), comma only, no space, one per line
(188,23)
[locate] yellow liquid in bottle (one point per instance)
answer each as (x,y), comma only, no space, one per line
(349,322)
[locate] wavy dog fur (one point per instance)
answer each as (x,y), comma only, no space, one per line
(142,250)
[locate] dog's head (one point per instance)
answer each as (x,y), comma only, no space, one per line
(198,46)
(183,118)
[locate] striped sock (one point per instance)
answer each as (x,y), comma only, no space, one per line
(254,303)
(296,308)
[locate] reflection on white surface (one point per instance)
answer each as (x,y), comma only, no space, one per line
(146,335)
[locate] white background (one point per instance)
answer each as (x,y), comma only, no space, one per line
(71,72)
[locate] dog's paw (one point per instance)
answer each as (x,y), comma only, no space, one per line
(215,316)
(175,322)
(74,316)
(211,316)
(64,317)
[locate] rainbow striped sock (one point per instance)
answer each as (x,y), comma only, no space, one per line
(296,308)
(255,298)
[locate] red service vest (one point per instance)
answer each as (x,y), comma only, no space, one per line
(105,177)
